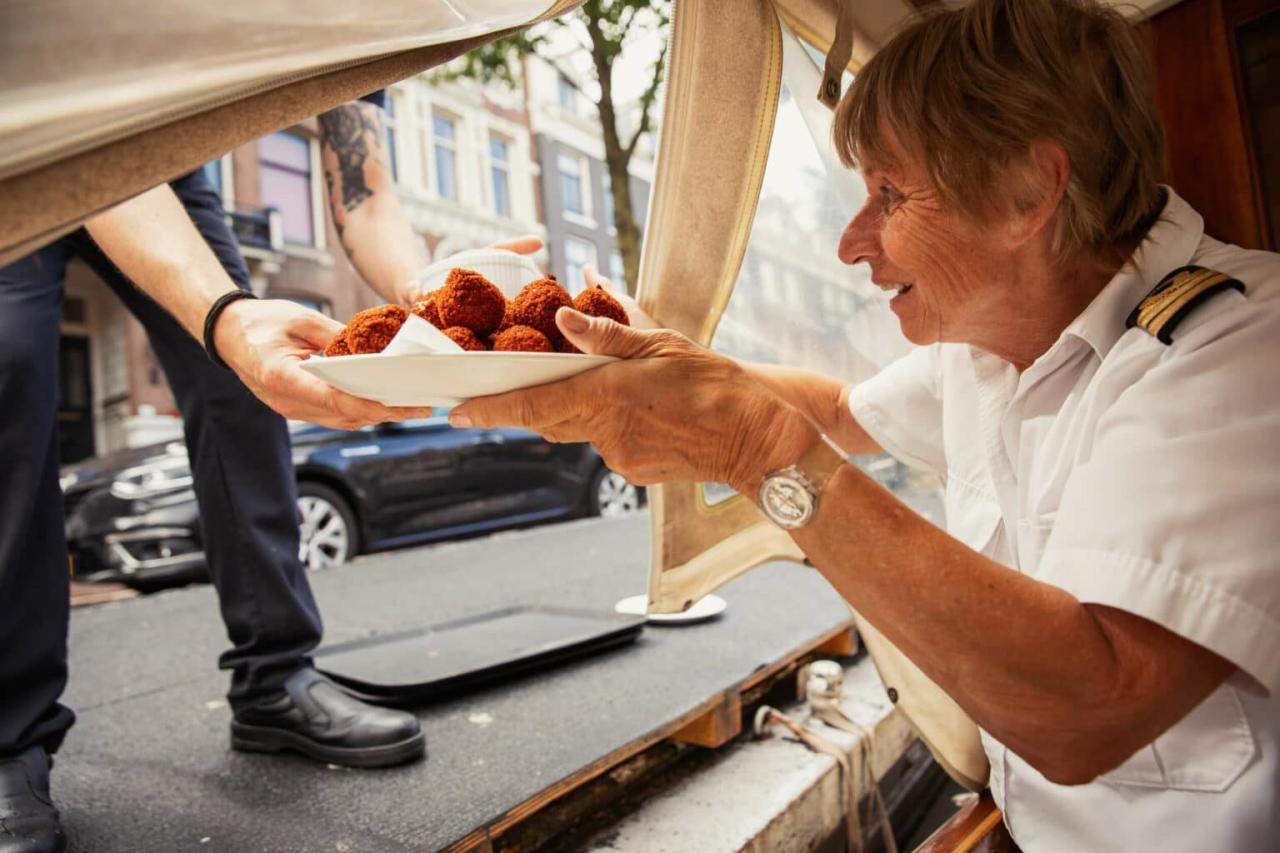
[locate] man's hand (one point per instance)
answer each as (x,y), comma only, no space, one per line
(670,411)
(266,341)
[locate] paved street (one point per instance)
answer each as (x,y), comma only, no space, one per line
(148,768)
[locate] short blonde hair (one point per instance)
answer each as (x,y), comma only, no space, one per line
(969,90)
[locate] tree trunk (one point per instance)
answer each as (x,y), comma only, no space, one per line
(617,161)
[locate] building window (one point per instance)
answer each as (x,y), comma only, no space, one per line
(500,174)
(389,120)
(608,199)
(577,254)
(213,174)
(572,169)
(618,270)
(445,131)
(284,164)
(565,93)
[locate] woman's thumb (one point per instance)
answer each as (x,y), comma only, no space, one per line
(601,336)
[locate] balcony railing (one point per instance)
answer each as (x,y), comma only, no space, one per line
(257,227)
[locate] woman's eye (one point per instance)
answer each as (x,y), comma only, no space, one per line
(889,198)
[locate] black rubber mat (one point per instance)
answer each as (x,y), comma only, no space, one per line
(445,661)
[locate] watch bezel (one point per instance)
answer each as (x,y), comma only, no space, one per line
(791,476)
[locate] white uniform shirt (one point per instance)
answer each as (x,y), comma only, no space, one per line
(1142,476)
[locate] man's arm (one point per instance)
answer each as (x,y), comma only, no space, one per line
(151,239)
(370,221)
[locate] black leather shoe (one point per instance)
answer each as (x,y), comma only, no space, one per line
(314,717)
(28,820)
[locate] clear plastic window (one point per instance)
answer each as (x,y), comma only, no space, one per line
(795,303)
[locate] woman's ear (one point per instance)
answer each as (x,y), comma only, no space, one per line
(1042,183)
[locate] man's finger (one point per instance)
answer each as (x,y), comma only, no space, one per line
(320,402)
(314,328)
(527,245)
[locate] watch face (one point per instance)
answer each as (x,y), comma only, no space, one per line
(786,501)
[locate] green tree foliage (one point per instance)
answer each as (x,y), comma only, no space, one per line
(602,29)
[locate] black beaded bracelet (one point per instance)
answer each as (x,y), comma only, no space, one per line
(211,319)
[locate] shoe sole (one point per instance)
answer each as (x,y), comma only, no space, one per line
(245,738)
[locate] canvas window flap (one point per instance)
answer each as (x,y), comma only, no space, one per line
(103,100)
(707,186)
(722,90)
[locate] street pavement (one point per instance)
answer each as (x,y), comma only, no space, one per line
(148,766)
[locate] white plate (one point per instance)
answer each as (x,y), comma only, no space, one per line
(705,608)
(446,379)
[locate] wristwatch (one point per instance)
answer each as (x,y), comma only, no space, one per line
(789,497)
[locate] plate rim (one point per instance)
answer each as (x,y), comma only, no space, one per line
(365,357)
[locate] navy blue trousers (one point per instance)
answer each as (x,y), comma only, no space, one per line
(241,465)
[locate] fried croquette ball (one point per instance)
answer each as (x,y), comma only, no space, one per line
(521,339)
(337,346)
(567,347)
(372,329)
(507,321)
(471,300)
(598,302)
(428,309)
(536,305)
(465,338)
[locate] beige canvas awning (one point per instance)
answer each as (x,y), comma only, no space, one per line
(103,99)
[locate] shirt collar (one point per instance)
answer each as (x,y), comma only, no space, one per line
(1171,243)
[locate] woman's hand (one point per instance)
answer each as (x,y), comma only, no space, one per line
(265,343)
(637,315)
(671,410)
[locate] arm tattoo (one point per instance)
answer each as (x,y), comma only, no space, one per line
(344,131)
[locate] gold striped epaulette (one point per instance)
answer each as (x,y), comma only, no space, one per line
(1175,297)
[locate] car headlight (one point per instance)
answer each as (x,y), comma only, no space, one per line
(169,473)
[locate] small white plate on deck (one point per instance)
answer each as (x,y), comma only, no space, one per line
(446,379)
(707,607)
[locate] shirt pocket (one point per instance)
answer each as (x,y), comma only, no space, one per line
(973,515)
(1033,534)
(1206,751)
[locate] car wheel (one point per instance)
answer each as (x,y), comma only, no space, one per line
(327,527)
(610,495)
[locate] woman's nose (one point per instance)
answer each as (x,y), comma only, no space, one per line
(860,240)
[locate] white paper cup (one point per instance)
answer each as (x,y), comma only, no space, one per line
(506,269)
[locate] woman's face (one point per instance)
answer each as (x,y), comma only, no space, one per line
(949,274)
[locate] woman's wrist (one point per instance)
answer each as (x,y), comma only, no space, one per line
(777,435)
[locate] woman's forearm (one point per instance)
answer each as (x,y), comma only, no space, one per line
(822,399)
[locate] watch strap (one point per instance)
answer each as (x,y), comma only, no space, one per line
(811,473)
(821,462)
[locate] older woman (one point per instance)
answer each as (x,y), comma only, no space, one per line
(1109,433)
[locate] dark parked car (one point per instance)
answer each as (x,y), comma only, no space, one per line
(132,516)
